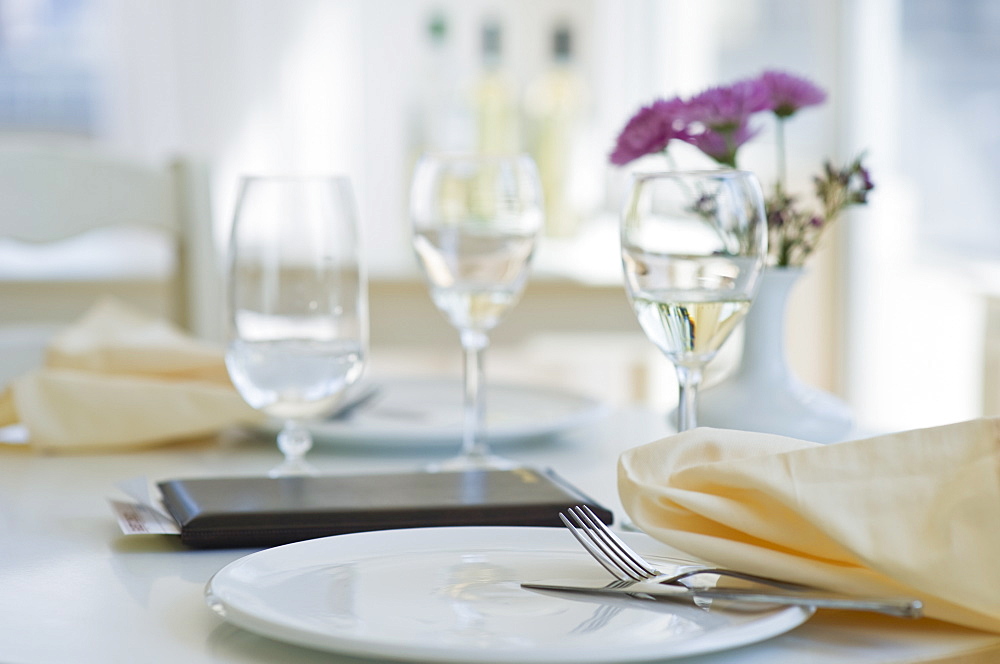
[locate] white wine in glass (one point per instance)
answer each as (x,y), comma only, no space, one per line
(297,303)
(476,219)
(693,246)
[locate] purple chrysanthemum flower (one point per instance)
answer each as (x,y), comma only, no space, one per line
(649,131)
(727,109)
(789,93)
(722,146)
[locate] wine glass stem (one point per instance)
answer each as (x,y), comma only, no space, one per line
(689,380)
(294,441)
(473,402)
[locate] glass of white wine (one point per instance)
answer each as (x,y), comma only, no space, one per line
(297,303)
(693,247)
(476,219)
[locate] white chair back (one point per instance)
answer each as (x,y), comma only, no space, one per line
(58,203)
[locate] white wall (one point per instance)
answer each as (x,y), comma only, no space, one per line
(299,85)
(253,86)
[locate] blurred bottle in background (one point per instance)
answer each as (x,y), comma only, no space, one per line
(495,97)
(555,112)
(441,120)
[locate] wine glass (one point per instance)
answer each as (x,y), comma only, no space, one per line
(693,247)
(297,303)
(476,219)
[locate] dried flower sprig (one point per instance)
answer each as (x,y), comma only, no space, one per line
(717,122)
(794,233)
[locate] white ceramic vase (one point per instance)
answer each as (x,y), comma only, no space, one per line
(764,395)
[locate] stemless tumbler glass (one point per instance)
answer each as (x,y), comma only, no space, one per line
(297,303)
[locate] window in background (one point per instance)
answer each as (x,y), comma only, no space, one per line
(49,81)
(917,257)
(950,92)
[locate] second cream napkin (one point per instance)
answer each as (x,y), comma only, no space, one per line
(119,378)
(915,513)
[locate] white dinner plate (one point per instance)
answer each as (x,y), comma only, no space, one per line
(454,595)
(427,412)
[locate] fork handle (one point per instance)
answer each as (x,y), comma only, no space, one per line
(820,599)
(675,579)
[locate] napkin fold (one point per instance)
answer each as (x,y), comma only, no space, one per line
(120,378)
(915,513)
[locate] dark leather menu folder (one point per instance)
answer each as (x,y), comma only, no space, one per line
(263,511)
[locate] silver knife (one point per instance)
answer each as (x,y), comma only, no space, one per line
(893,606)
(353,402)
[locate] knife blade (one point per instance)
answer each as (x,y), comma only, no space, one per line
(893,606)
(362,396)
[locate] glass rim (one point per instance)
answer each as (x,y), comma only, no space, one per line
(471,155)
(295,177)
(700,172)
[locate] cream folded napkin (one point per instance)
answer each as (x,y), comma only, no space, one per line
(119,378)
(914,513)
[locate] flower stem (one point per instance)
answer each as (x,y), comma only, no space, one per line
(780,143)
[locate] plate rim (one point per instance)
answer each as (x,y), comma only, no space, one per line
(774,624)
(348,433)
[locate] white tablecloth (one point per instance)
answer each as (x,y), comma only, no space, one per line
(73,589)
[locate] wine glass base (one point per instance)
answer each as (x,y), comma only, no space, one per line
(292,468)
(473,462)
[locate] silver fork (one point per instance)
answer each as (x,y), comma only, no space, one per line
(634,574)
(627,565)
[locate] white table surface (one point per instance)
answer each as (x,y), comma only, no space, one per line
(73,589)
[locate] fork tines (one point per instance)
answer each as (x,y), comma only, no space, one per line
(606,547)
